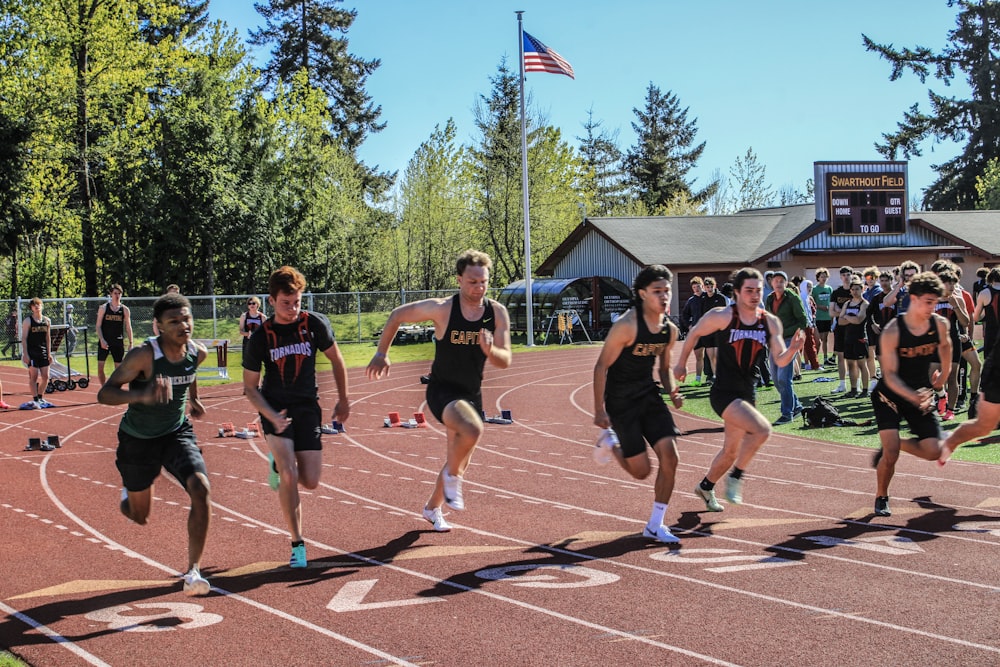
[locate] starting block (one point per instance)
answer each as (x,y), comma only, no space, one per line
(418,421)
(503,418)
(37,445)
(227,430)
(333,428)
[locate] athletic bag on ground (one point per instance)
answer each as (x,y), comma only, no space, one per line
(822,413)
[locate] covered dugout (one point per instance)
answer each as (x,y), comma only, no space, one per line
(597,301)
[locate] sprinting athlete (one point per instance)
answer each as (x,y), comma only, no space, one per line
(910,344)
(626,398)
(287,345)
(743,331)
(469,330)
(155,433)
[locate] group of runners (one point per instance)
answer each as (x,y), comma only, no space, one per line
(916,351)
(157,381)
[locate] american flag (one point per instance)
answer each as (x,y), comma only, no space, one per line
(540,58)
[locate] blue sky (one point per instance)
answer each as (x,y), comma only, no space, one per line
(789,78)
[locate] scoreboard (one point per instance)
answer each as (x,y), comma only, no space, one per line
(866,203)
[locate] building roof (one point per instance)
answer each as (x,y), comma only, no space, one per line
(753,236)
(980,230)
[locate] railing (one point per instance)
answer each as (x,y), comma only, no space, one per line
(355,316)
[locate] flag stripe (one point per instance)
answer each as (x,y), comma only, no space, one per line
(540,58)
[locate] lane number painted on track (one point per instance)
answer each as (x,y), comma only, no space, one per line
(351,597)
(706,556)
(549,576)
(129,618)
(893,544)
(990,527)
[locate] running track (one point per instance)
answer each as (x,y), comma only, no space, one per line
(545,567)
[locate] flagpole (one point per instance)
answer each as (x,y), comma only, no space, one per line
(524,193)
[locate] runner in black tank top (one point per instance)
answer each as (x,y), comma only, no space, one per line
(988,310)
(36,354)
(626,398)
(910,344)
(457,370)
(250,320)
(469,329)
(742,331)
(952,307)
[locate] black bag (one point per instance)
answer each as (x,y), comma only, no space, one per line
(821,414)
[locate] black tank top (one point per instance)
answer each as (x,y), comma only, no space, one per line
(991,314)
(947,311)
(38,338)
(853,331)
(458,359)
(741,348)
(631,374)
(113,324)
(251,322)
(916,354)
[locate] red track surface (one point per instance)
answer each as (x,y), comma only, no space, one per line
(545,567)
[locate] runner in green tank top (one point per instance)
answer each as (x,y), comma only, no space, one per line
(155,432)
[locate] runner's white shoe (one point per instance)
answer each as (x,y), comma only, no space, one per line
(195,584)
(436,518)
(660,534)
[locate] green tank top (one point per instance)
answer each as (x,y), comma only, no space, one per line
(152,421)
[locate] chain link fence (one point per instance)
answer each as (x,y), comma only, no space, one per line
(356,317)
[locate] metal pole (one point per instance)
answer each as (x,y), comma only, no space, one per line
(524,193)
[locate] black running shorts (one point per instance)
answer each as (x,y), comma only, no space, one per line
(305,431)
(139,460)
(639,420)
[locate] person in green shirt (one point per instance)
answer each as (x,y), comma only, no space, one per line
(158,382)
(824,320)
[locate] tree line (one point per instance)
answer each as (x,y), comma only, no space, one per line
(141,145)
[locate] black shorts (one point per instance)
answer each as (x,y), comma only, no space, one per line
(989,381)
(439,395)
(307,420)
(890,411)
(824,326)
(838,338)
(139,460)
(721,399)
(705,341)
(855,350)
(640,420)
(116,348)
(38,361)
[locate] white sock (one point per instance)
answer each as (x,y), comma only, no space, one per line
(656,517)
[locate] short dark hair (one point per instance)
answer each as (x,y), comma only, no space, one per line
(169,301)
(647,276)
(926,283)
(744,274)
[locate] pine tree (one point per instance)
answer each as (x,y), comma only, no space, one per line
(971,50)
(306,35)
(603,159)
(663,155)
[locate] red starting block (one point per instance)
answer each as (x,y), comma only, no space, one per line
(418,417)
(227,430)
(252,429)
(392,420)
